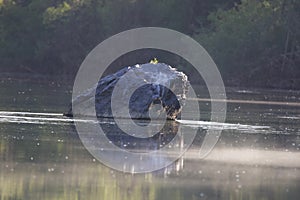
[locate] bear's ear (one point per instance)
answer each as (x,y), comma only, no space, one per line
(154,61)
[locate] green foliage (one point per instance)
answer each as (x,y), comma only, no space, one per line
(54,13)
(55,36)
(250,37)
(20,27)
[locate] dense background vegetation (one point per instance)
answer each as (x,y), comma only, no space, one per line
(253,42)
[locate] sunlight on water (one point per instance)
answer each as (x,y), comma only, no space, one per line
(256,157)
(222,126)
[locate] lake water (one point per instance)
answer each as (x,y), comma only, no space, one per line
(42,157)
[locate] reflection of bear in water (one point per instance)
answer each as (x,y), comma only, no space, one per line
(128,142)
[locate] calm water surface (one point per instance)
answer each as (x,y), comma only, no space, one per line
(42,157)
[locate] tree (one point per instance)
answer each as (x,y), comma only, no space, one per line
(252,39)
